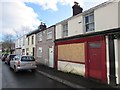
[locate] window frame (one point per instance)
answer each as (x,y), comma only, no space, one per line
(49,34)
(90,23)
(65,29)
(39,52)
(32,39)
(28,40)
(40,37)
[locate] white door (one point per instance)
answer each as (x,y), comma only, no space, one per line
(50,57)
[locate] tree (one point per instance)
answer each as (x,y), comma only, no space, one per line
(8,43)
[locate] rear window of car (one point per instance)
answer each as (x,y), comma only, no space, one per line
(6,55)
(12,56)
(27,58)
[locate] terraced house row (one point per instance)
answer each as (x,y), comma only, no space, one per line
(86,44)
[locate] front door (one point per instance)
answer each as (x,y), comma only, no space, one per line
(51,59)
(94,59)
(33,51)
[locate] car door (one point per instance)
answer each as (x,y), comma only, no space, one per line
(12,62)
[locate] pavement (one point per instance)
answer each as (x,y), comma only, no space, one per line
(72,80)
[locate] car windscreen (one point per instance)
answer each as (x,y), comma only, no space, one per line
(27,58)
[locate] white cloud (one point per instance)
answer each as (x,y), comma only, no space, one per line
(16,15)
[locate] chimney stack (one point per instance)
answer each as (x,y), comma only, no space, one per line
(42,26)
(76,8)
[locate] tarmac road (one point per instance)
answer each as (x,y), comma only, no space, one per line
(26,79)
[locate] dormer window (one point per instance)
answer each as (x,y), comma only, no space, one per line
(89,22)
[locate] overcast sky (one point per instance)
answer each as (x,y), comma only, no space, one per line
(22,16)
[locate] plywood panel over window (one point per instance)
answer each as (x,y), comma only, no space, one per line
(72,52)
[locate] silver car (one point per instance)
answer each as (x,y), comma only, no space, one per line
(23,63)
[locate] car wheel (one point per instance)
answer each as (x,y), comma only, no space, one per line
(33,70)
(10,67)
(9,63)
(15,69)
(5,62)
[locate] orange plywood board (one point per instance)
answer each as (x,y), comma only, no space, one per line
(72,52)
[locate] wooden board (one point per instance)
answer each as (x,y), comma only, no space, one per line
(72,52)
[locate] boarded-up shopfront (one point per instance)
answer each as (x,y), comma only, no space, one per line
(85,55)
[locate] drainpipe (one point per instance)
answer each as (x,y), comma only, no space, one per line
(112,72)
(117,60)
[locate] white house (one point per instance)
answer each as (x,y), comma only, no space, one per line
(20,45)
(91,28)
(104,16)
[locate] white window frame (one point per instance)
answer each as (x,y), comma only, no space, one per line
(28,41)
(40,36)
(65,29)
(49,34)
(32,40)
(39,52)
(90,22)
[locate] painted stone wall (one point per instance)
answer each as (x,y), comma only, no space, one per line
(70,67)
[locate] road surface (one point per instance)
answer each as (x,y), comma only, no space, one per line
(26,79)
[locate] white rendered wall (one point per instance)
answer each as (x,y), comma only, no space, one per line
(75,26)
(70,67)
(106,17)
(58,31)
(119,13)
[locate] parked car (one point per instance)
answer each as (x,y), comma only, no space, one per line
(9,58)
(4,57)
(1,56)
(20,62)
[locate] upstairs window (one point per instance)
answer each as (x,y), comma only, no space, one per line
(32,39)
(89,22)
(65,30)
(40,36)
(23,41)
(49,34)
(28,40)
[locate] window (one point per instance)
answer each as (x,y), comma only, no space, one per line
(27,58)
(49,34)
(39,52)
(65,30)
(27,51)
(40,36)
(23,41)
(95,45)
(32,39)
(28,40)
(89,22)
